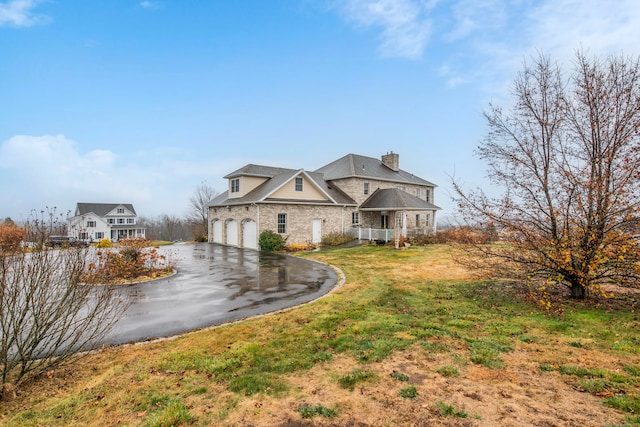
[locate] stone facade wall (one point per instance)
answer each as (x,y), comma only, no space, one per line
(354,187)
(299,219)
(335,219)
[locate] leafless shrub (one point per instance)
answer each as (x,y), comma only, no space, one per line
(48,316)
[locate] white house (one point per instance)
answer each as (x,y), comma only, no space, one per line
(93,222)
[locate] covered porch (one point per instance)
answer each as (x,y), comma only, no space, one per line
(391,213)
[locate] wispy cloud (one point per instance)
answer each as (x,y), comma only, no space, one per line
(151,4)
(404,25)
(19,13)
(52,170)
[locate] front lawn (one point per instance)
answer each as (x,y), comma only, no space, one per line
(409,339)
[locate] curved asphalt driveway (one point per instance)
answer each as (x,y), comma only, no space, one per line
(217,284)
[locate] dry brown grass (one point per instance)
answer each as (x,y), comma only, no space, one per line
(105,388)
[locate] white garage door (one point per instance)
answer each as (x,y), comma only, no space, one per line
(249,238)
(217,231)
(232,233)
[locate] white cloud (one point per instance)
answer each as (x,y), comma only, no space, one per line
(151,4)
(18,13)
(404,24)
(53,171)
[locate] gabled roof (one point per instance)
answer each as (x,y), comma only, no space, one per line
(394,199)
(354,165)
(257,171)
(278,178)
(101,209)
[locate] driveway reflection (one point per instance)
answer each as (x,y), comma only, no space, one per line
(217,284)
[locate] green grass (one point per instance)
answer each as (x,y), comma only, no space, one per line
(446,410)
(381,311)
(409,392)
(448,371)
(354,378)
(309,411)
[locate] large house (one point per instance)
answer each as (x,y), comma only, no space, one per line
(374,199)
(96,221)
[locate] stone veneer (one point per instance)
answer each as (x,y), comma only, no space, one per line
(299,219)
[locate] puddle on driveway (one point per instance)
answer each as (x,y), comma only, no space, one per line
(217,284)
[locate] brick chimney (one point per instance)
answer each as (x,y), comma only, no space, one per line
(392,161)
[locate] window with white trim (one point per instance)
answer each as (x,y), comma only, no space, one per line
(417,219)
(418,192)
(355,218)
(282,223)
(131,221)
(120,210)
(298,183)
(120,220)
(235,185)
(366,188)
(91,224)
(100,235)
(111,221)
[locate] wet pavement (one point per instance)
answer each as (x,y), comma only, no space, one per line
(216,284)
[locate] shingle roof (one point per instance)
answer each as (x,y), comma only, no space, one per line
(257,170)
(278,178)
(354,165)
(101,209)
(394,199)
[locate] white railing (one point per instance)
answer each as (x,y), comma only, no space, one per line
(385,234)
(363,233)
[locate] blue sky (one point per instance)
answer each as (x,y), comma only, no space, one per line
(139,101)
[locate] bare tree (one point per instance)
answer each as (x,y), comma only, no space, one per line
(47,314)
(566,156)
(172,225)
(198,214)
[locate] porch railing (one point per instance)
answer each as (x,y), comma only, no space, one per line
(385,234)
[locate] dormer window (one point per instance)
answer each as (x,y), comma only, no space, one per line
(298,183)
(235,185)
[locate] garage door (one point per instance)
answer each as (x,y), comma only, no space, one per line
(217,231)
(232,233)
(249,238)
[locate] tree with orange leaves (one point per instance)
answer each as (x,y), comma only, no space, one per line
(566,156)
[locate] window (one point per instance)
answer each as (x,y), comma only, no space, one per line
(355,218)
(91,224)
(131,221)
(298,183)
(235,185)
(401,187)
(120,220)
(100,235)
(83,236)
(282,223)
(120,210)
(428,192)
(111,221)
(366,188)
(417,219)
(417,192)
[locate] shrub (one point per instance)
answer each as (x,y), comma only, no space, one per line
(270,241)
(104,243)
(134,259)
(336,238)
(10,237)
(295,247)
